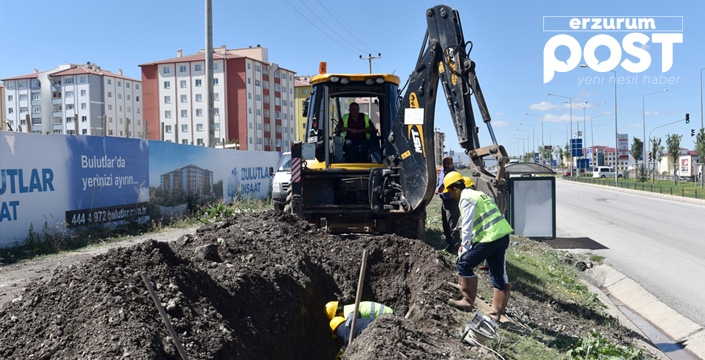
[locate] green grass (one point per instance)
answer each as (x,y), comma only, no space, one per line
(547,276)
(683,188)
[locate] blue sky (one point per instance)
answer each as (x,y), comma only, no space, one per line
(508,38)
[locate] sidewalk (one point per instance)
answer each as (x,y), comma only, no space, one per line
(680,329)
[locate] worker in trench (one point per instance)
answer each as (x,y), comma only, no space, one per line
(341,316)
(484,235)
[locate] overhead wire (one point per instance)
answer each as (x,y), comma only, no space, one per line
(331,29)
(319,29)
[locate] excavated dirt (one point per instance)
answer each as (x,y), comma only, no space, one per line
(254,287)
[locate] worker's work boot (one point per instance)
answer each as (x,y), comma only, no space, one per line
(468,288)
(499,302)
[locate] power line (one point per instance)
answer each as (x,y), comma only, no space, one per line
(343,26)
(319,29)
(331,29)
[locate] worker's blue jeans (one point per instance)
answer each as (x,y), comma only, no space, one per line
(494,253)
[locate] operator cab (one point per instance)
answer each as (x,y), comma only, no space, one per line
(377,97)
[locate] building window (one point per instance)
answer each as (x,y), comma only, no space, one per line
(167,114)
(258,97)
(249,96)
(199,112)
(249,81)
(184,113)
(216,96)
(84,118)
(110,81)
(10,110)
(68,80)
(83,106)
(257,67)
(199,97)
(9,97)
(199,127)
(137,86)
(166,70)
(184,141)
(82,79)
(199,142)
(167,84)
(249,110)
(23,97)
(182,83)
(137,98)
(167,128)
(83,92)
(127,85)
(266,142)
(215,81)
(119,83)
(197,67)
(184,98)
(167,99)
(198,82)
(215,66)
(119,96)
(36,109)
(69,106)
(216,111)
(128,97)
(184,127)
(277,101)
(256,82)
(182,68)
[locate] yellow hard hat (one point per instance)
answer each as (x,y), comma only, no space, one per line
(468,182)
(450,179)
(335,322)
(331,309)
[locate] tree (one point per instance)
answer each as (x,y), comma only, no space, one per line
(700,149)
(558,151)
(656,153)
(637,151)
(673,141)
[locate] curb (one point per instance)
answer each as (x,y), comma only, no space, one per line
(632,295)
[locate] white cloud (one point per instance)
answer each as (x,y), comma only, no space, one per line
(501,124)
(542,106)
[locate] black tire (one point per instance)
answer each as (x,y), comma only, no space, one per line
(412,226)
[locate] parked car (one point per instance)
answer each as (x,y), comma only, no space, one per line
(280,182)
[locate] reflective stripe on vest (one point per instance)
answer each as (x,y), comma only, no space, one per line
(345,124)
(488,224)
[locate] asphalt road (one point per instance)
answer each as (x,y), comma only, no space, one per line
(658,243)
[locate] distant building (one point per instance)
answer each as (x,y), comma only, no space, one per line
(253,100)
(302,84)
(2,108)
(601,156)
(75,99)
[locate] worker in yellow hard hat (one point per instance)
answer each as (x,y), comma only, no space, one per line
(367,309)
(485,236)
(341,327)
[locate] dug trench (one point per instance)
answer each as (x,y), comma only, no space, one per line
(254,287)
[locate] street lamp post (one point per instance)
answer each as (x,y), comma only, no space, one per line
(592,130)
(701,97)
(571,129)
(643,119)
(533,139)
(542,142)
(527,139)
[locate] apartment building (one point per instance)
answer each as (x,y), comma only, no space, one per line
(75,99)
(302,84)
(2,108)
(253,100)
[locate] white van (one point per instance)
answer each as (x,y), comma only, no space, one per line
(280,182)
(604,172)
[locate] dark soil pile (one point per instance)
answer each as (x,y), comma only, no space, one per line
(254,287)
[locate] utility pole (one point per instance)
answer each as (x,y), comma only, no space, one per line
(210,142)
(370,58)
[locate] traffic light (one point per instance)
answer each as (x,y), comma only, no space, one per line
(649,155)
(692,132)
(687,118)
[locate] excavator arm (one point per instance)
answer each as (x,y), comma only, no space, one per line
(443,60)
